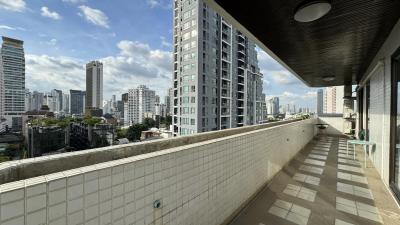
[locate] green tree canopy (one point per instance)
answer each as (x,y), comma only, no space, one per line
(149,123)
(134,132)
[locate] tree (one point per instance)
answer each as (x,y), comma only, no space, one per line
(135,131)
(149,123)
(168,121)
(121,133)
(92,120)
(12,150)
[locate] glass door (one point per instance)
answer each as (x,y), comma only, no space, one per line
(395,126)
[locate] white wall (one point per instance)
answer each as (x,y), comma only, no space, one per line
(380,102)
(202,183)
(335,124)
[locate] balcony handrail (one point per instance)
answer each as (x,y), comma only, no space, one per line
(33,167)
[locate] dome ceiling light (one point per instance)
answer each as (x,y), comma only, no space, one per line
(328,78)
(311,10)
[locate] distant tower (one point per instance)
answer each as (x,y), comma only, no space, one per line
(13,63)
(275,101)
(320,102)
(141,101)
(94,84)
(2,125)
(77,102)
(333,99)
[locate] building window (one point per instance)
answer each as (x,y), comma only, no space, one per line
(185,89)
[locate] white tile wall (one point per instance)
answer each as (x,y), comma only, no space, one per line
(377,116)
(380,98)
(202,183)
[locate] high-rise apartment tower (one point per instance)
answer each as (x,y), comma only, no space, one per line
(13,63)
(217,83)
(141,101)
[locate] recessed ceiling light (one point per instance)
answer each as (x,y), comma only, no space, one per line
(328,78)
(311,10)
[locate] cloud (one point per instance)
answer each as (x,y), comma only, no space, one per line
(304,96)
(94,16)
(47,72)
(5,27)
(274,71)
(74,1)
(13,5)
(165,4)
(135,64)
(282,77)
(52,42)
(267,62)
(47,13)
(165,43)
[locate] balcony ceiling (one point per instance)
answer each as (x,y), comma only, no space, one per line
(342,43)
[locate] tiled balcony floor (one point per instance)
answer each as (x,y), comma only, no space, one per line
(323,185)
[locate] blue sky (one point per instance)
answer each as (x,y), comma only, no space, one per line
(131,37)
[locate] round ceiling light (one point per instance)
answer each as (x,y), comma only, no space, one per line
(328,78)
(311,10)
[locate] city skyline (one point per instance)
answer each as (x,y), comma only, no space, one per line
(131,54)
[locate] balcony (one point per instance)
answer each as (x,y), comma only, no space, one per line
(159,177)
(278,173)
(322,184)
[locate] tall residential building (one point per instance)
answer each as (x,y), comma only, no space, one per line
(123,105)
(77,102)
(333,99)
(269,106)
(13,60)
(320,101)
(216,80)
(264,108)
(160,110)
(141,101)
(107,106)
(120,107)
(57,100)
(37,100)
(65,103)
(28,100)
(2,119)
(94,84)
(114,101)
(169,101)
(273,106)
(51,102)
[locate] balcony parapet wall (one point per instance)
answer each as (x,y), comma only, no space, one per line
(39,166)
(202,183)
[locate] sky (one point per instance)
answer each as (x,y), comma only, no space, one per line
(131,37)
